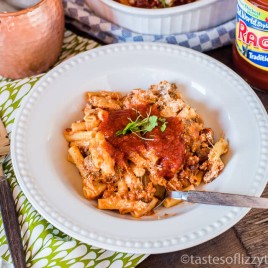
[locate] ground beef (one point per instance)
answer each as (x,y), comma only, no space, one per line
(156,3)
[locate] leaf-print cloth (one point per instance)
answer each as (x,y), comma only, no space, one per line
(46,246)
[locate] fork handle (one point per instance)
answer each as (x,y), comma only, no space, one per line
(11,224)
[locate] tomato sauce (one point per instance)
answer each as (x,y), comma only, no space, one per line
(250,51)
(153,3)
(167,145)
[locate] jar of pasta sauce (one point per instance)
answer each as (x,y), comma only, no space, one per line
(250,51)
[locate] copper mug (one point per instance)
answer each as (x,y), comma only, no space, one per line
(31,39)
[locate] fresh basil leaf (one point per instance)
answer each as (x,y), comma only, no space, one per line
(163,127)
(163,2)
(142,126)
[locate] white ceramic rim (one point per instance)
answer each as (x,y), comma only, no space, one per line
(111,243)
(160,11)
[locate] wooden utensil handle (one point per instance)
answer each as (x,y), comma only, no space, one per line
(11,224)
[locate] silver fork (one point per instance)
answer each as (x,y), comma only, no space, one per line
(8,209)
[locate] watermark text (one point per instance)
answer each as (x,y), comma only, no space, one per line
(236,259)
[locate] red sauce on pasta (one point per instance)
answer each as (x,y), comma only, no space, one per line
(168,145)
(154,3)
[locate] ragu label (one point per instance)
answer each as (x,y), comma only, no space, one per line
(252,34)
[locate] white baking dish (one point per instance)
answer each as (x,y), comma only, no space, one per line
(196,16)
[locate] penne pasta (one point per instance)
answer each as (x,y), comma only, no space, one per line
(77,159)
(93,190)
(127,148)
(78,126)
(79,135)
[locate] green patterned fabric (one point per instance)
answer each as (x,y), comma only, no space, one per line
(46,246)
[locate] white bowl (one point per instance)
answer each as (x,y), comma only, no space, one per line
(53,185)
(196,16)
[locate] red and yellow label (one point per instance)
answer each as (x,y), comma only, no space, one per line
(252,34)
